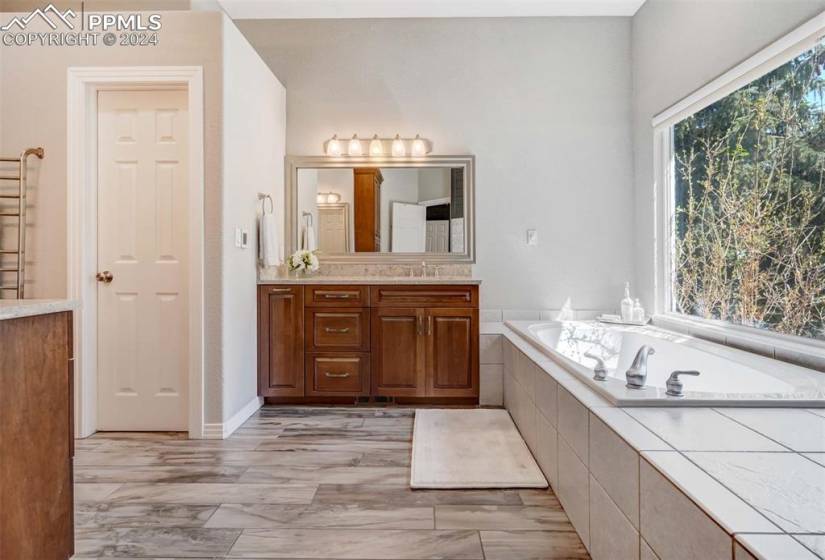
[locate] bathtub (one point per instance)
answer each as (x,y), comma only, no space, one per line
(729,377)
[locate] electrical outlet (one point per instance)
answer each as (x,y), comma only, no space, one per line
(532,237)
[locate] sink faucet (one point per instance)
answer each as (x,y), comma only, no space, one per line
(423,269)
(637,372)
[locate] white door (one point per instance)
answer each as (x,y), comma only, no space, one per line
(142,321)
(409,228)
(333,234)
(438,236)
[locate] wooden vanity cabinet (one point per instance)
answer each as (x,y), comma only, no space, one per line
(36,437)
(401,341)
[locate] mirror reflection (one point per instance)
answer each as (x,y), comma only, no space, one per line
(381,209)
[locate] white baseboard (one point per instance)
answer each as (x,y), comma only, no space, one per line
(222,430)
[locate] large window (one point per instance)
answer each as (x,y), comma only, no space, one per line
(749,204)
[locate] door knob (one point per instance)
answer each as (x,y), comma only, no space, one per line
(105,277)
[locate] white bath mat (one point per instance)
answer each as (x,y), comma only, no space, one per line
(478,448)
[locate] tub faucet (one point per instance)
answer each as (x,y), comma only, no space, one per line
(637,372)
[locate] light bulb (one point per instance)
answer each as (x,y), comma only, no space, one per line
(376,147)
(419,148)
(354,146)
(398,147)
(333,198)
(334,147)
(320,198)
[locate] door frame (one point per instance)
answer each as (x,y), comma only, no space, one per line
(83,83)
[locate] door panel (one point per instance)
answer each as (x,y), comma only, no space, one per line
(143,240)
(281,332)
(398,352)
(452,352)
(409,228)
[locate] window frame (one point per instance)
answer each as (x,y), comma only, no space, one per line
(771,57)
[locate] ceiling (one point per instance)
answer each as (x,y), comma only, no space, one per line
(329,9)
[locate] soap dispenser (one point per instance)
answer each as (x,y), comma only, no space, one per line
(627,304)
(638,312)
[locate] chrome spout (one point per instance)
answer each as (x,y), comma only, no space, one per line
(636,374)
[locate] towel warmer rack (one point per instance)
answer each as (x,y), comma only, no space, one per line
(19,215)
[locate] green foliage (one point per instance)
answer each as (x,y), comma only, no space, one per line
(750,203)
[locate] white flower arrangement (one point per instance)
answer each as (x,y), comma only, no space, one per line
(303,260)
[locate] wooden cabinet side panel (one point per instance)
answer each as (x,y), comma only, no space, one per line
(281,341)
(36,486)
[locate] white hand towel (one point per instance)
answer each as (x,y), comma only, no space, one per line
(269,246)
(311,243)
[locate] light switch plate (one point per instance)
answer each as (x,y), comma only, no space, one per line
(244,239)
(238,237)
(532,237)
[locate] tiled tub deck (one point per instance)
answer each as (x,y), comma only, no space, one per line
(666,483)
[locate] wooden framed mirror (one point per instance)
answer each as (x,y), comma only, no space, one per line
(382,210)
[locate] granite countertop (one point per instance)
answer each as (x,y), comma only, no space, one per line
(373,280)
(758,472)
(16,308)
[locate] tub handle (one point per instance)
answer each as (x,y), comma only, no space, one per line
(600,371)
(674,384)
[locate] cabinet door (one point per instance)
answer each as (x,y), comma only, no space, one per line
(452,352)
(281,341)
(398,352)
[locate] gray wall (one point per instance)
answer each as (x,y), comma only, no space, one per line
(678,47)
(543,103)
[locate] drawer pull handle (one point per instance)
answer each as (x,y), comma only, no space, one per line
(336,375)
(337,331)
(280,291)
(337,296)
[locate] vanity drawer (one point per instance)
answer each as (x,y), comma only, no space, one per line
(337,296)
(427,296)
(330,329)
(338,374)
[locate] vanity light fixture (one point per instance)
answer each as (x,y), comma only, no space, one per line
(334,147)
(419,148)
(376,147)
(398,147)
(354,146)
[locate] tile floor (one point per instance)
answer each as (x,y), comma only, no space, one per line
(309,483)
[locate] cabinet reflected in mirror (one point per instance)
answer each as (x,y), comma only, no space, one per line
(376,208)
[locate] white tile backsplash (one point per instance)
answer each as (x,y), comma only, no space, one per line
(612,537)
(490,349)
(573,424)
(521,315)
(734,514)
(616,466)
(673,526)
(491,390)
(573,490)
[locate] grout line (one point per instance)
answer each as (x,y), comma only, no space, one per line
(754,430)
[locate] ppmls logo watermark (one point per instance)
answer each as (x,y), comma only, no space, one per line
(68,29)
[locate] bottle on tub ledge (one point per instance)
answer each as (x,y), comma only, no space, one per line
(638,312)
(627,304)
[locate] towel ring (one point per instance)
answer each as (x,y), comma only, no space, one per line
(308,215)
(265,197)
